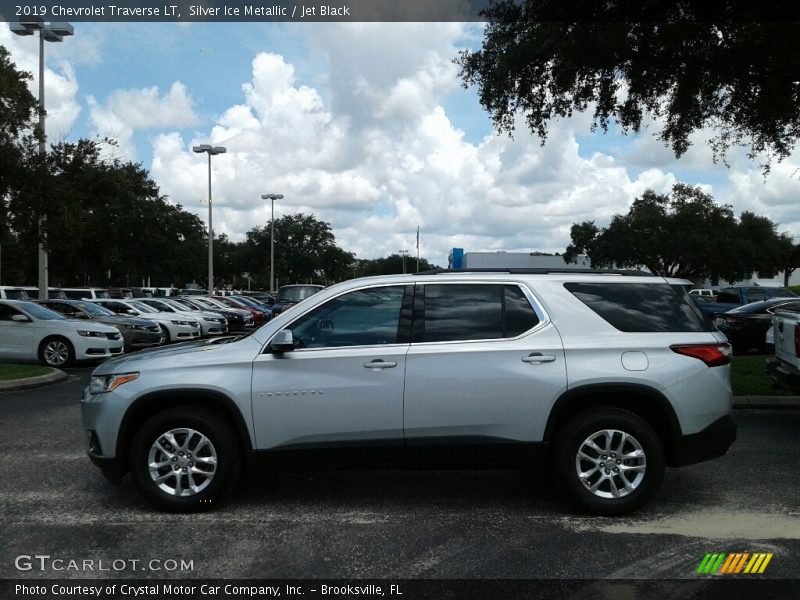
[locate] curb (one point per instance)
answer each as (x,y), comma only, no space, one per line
(766,402)
(32,382)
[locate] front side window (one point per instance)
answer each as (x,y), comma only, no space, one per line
(369,317)
(457,312)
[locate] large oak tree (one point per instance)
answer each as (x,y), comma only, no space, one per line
(728,65)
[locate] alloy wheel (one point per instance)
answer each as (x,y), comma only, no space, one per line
(610,463)
(182,462)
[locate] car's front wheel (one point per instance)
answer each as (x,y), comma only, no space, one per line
(185,459)
(609,461)
(56,352)
(165,333)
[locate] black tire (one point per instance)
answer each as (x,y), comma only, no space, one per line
(165,331)
(47,352)
(571,438)
(223,440)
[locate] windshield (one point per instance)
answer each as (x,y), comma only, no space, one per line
(181,305)
(157,305)
(142,307)
(212,303)
(296,293)
(40,312)
(248,302)
(95,309)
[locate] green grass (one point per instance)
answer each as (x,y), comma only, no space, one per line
(21,371)
(749,377)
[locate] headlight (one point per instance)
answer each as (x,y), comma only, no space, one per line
(183,322)
(100,384)
(86,333)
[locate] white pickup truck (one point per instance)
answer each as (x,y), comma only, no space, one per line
(785,367)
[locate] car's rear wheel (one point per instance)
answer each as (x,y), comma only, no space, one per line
(185,459)
(56,352)
(609,461)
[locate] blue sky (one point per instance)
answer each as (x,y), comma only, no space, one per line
(367,127)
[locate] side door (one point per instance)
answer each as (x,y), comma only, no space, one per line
(16,337)
(341,388)
(483,371)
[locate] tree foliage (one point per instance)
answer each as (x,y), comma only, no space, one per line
(684,234)
(693,64)
(305,252)
(392,265)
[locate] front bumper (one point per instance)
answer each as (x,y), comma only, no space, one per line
(711,442)
(784,376)
(142,339)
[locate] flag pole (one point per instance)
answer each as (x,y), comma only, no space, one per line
(417,248)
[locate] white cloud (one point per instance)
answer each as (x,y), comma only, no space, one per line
(373,152)
(146,109)
(60,81)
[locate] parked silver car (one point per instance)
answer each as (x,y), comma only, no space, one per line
(609,376)
(137,333)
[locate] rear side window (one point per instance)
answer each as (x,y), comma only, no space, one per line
(640,307)
(457,312)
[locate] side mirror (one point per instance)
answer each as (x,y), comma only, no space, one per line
(22,319)
(283,341)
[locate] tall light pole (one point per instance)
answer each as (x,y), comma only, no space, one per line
(48,32)
(210,150)
(404,253)
(272,197)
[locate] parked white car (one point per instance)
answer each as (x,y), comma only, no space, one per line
(29,331)
(176,328)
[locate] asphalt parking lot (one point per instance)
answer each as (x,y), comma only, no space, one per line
(388,523)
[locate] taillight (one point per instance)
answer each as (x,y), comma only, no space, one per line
(714,355)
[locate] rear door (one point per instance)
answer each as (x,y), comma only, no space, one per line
(483,370)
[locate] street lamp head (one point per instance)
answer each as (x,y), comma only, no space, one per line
(61,29)
(272,196)
(28,26)
(51,36)
(209,148)
(20,29)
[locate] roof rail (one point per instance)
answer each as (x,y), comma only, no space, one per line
(542,271)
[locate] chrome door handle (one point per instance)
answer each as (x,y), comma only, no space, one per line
(380,364)
(537,358)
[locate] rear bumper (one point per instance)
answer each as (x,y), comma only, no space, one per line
(784,375)
(711,442)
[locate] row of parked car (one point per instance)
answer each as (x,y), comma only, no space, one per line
(60,330)
(745,313)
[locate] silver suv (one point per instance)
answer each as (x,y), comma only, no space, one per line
(609,376)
